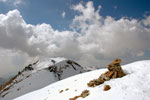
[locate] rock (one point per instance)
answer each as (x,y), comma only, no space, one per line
(95,82)
(117,61)
(114,71)
(104,77)
(84,94)
(53,61)
(91,83)
(69,62)
(120,74)
(61,91)
(76,97)
(109,74)
(114,75)
(107,87)
(115,67)
(67,89)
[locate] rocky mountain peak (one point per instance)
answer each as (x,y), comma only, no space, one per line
(48,71)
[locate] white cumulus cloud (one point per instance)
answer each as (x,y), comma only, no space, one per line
(94,41)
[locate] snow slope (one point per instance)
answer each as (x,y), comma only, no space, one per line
(134,86)
(38,75)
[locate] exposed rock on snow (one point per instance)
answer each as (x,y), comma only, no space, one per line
(58,71)
(114,71)
(61,91)
(107,87)
(84,94)
(95,82)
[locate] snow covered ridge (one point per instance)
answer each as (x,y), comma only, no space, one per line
(133,86)
(38,75)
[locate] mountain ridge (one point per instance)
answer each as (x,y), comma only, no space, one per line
(38,75)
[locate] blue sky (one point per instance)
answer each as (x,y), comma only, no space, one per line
(49,11)
(92,33)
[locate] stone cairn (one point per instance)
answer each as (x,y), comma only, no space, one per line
(114,71)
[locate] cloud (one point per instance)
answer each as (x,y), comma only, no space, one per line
(63,14)
(93,41)
(33,39)
(112,38)
(12,61)
(146,21)
(13,2)
(87,16)
(15,32)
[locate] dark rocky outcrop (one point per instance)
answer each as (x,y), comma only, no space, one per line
(58,71)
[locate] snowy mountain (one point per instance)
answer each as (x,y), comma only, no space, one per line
(38,75)
(133,86)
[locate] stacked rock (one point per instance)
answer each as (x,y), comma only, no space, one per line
(114,71)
